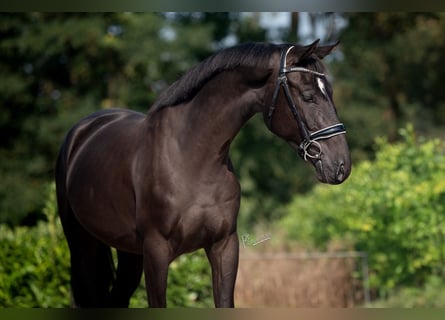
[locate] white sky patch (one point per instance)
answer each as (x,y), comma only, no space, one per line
(274,21)
(167,33)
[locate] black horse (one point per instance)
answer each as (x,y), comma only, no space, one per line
(159,185)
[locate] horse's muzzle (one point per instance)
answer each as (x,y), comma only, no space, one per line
(334,173)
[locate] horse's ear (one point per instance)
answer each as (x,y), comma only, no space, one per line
(322,52)
(299,54)
(308,50)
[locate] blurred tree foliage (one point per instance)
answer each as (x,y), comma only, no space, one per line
(391,73)
(56,68)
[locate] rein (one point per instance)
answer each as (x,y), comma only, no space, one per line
(308,139)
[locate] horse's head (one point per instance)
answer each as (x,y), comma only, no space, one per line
(302,111)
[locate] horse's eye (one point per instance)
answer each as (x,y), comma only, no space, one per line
(308,97)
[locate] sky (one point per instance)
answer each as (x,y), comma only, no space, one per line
(278,20)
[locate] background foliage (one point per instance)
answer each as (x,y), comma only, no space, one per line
(56,68)
(34,269)
(392,208)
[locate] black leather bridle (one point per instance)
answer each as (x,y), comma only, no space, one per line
(308,139)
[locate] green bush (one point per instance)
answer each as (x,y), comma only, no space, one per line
(34,269)
(430,295)
(190,281)
(393,208)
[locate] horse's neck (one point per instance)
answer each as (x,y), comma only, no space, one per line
(208,123)
(220,109)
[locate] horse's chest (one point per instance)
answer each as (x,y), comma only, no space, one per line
(200,225)
(198,213)
(195,216)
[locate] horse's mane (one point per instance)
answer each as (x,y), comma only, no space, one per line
(243,55)
(251,55)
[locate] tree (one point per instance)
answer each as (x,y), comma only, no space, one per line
(392,61)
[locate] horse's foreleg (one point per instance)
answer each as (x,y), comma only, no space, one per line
(156,261)
(223,258)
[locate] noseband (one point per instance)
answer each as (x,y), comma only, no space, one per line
(308,139)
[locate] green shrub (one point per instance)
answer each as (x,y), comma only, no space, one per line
(34,269)
(430,295)
(393,208)
(190,281)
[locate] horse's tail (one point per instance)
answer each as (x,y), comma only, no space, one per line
(92,266)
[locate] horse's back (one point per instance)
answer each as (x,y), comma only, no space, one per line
(90,125)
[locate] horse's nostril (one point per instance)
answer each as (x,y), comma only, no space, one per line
(341,172)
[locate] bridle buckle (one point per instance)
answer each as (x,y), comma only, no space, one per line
(304,147)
